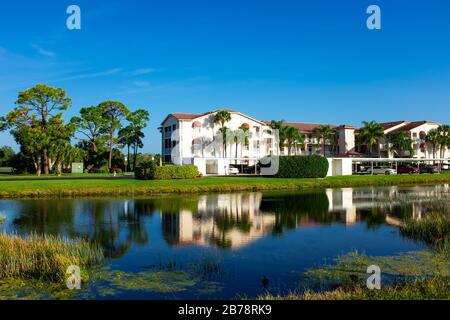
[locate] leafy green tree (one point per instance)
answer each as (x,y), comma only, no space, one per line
(222,117)
(324,133)
(6,156)
(113,112)
(32,141)
(138,121)
(126,139)
(371,133)
(90,124)
(35,109)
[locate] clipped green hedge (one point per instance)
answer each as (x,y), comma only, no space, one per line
(311,166)
(150,171)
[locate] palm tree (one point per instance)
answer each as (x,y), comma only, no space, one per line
(292,136)
(324,133)
(401,142)
(247,135)
(444,139)
(371,133)
(222,117)
(279,125)
(434,138)
(126,139)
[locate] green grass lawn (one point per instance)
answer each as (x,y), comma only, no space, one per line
(130,187)
(53,176)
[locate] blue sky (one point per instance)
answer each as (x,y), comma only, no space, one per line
(309,61)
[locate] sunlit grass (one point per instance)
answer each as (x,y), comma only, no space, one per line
(433,229)
(436,288)
(129,187)
(411,276)
(44,257)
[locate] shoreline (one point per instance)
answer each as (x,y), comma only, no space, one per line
(65,188)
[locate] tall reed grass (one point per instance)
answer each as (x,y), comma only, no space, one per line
(434,229)
(44,257)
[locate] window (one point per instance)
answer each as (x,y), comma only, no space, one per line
(167,143)
(174,143)
(414,134)
(174,127)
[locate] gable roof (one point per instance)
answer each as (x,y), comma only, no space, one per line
(389,125)
(410,126)
(192,116)
(303,126)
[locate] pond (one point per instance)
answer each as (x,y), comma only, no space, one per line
(225,245)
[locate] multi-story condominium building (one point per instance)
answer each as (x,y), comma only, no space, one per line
(186,137)
(414,130)
(196,139)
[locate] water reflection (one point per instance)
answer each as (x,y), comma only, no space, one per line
(224,220)
(219,220)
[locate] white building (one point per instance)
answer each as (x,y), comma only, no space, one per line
(416,131)
(195,139)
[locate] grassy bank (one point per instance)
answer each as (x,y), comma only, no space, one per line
(437,288)
(415,275)
(434,229)
(44,257)
(130,187)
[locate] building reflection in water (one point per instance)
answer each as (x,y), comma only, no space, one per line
(219,220)
(224,220)
(235,220)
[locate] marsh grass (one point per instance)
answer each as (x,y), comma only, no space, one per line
(2,218)
(412,276)
(434,230)
(45,257)
(435,288)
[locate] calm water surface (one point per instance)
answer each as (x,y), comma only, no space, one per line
(222,245)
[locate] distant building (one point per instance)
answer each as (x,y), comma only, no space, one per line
(188,139)
(416,131)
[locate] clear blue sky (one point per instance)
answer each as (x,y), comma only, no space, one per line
(309,61)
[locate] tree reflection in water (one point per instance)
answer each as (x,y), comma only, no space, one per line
(221,220)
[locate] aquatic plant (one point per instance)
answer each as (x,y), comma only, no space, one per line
(434,229)
(413,275)
(45,257)
(351,268)
(420,289)
(2,218)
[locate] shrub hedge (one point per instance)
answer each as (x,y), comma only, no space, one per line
(145,171)
(310,166)
(150,171)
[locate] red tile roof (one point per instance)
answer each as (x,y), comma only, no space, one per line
(304,127)
(388,125)
(409,126)
(185,116)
